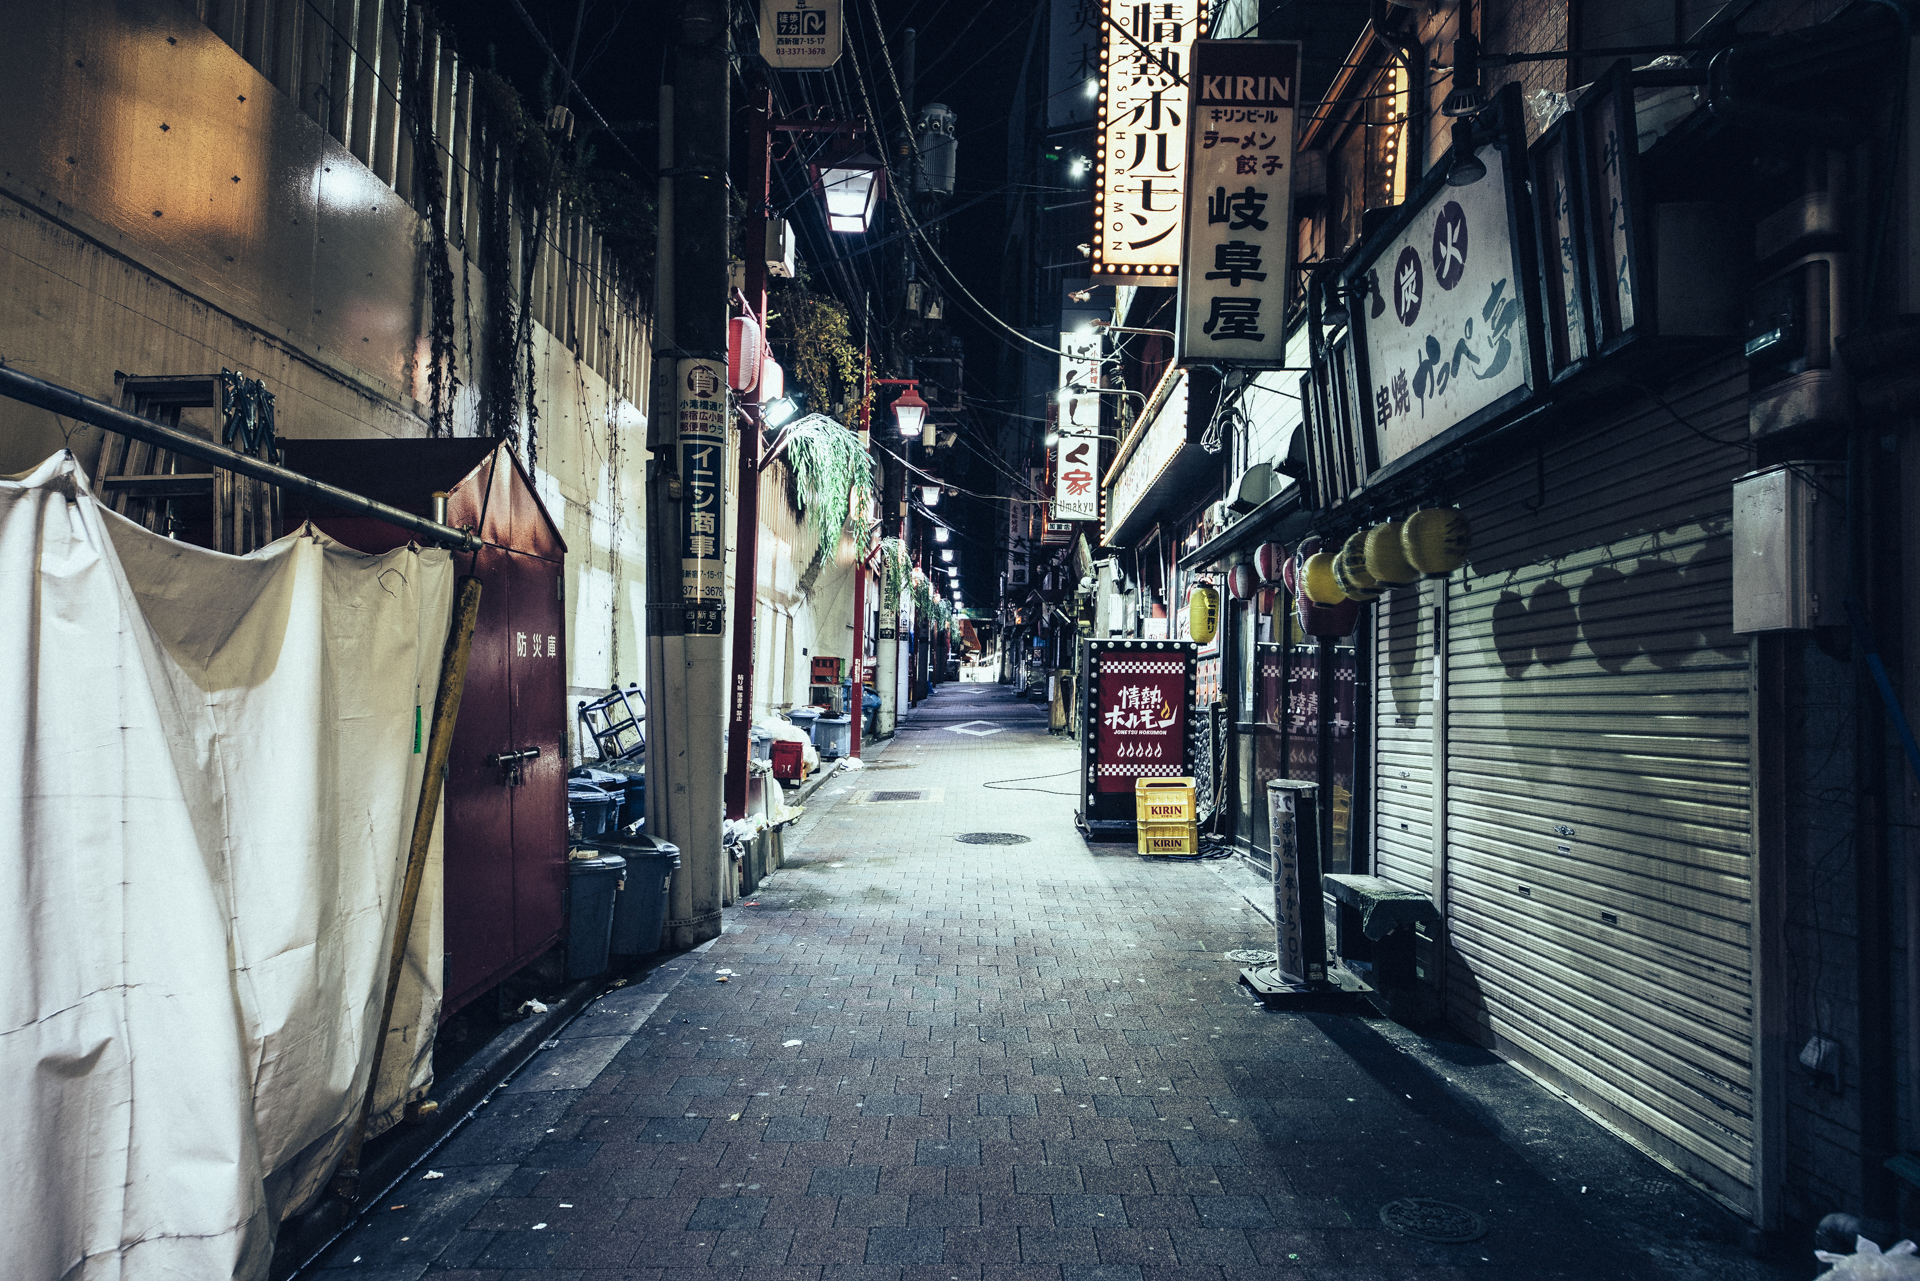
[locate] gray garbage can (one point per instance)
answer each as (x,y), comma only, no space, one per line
(592,884)
(640,915)
(833,736)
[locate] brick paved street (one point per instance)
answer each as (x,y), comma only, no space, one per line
(935,1061)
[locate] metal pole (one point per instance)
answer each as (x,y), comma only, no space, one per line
(858,689)
(446,709)
(61,400)
(746,537)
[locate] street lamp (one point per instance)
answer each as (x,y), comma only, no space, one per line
(778,413)
(850,187)
(909,412)
(939,533)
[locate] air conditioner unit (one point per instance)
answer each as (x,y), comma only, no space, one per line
(779,247)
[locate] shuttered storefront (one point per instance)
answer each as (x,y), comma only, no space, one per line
(1596,782)
(1403,737)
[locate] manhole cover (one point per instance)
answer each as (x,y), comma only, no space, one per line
(992,838)
(1430,1220)
(1252,956)
(897,796)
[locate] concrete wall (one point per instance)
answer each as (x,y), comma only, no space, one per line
(166,209)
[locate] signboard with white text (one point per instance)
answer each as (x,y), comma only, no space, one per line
(1158,446)
(701,415)
(1442,302)
(1233,293)
(1142,144)
(1076,452)
(800,35)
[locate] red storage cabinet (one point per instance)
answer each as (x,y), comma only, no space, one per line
(506,838)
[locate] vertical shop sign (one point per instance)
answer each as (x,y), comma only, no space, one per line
(1073,63)
(1076,454)
(1233,293)
(800,35)
(701,411)
(1142,148)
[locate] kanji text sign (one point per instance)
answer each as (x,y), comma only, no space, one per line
(1442,315)
(1233,288)
(701,409)
(1142,727)
(800,35)
(1076,454)
(1142,145)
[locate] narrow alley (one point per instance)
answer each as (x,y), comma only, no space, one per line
(1016,1058)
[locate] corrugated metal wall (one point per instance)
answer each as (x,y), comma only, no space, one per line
(1403,737)
(1596,782)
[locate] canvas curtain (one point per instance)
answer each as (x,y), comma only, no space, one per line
(211,768)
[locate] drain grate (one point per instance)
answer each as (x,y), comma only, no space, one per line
(1431,1220)
(1251,956)
(992,838)
(897,796)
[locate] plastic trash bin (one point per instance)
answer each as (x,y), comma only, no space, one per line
(762,745)
(833,735)
(789,760)
(803,718)
(592,885)
(640,914)
(593,809)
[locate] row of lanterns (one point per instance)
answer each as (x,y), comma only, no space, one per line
(1330,582)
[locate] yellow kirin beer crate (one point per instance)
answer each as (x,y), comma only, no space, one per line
(1164,800)
(1168,838)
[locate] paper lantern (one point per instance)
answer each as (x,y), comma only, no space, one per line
(1268,561)
(1386,559)
(1350,570)
(744,353)
(1243,581)
(1317,577)
(773,380)
(1436,540)
(1203,613)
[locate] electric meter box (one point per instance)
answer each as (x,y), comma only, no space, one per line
(1789,548)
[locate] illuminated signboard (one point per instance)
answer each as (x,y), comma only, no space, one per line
(800,35)
(1139,187)
(1233,296)
(1076,456)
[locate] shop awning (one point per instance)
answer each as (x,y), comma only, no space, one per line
(1280,519)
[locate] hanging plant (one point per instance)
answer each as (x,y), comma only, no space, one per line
(894,563)
(832,475)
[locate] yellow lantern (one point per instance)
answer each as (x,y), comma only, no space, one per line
(1203,613)
(1436,540)
(1386,559)
(1317,579)
(1350,570)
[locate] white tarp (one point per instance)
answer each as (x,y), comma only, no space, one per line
(211,774)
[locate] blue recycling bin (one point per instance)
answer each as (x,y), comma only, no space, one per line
(592,886)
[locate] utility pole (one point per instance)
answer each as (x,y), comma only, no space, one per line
(686,612)
(746,557)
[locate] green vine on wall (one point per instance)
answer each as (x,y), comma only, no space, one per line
(815,333)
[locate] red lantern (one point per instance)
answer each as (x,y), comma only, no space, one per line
(1242,582)
(1269,560)
(744,353)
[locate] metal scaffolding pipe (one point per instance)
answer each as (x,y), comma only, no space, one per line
(62,400)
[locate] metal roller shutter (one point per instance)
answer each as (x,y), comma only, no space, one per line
(1403,737)
(1597,818)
